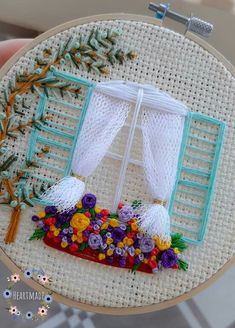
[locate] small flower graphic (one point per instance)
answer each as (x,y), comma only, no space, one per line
(13,310)
(28,273)
(29,315)
(7,293)
(42,311)
(44,280)
(15,278)
(48,299)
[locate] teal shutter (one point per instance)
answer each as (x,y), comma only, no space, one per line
(198,163)
(64,123)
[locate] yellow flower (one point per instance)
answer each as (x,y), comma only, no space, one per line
(137,251)
(104,226)
(101,256)
(74,237)
(109,252)
(145,261)
(176,250)
(114,223)
(109,241)
(56,232)
(134,226)
(64,244)
(79,237)
(161,244)
(79,205)
(130,241)
(80,222)
(41,215)
(120,245)
(125,240)
(153,258)
(98,209)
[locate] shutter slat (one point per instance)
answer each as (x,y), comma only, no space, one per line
(197,167)
(66,115)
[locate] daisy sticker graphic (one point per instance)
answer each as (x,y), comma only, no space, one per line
(13,297)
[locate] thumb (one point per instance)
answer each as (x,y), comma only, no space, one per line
(9,47)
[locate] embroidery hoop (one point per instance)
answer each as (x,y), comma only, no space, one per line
(229,259)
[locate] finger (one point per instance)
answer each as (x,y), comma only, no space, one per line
(9,47)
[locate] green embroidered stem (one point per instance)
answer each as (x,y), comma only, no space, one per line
(38,234)
(178,242)
(92,54)
(183,265)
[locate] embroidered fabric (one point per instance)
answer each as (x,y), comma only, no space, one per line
(107,112)
(162,135)
(189,73)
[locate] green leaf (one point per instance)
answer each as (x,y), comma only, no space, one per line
(183,265)
(113,216)
(65,225)
(135,267)
(38,234)
(93,214)
(103,232)
(178,242)
(83,246)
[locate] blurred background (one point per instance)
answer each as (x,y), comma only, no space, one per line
(214,307)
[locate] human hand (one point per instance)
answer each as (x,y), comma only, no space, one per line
(9,47)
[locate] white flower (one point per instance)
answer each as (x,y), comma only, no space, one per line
(15,278)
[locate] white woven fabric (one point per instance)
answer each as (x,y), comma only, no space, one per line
(162,135)
(105,117)
(192,75)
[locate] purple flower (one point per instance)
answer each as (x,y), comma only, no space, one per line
(46,228)
(131,251)
(71,212)
(86,233)
(110,259)
(146,244)
(40,224)
(117,235)
(125,213)
(169,258)
(35,218)
(62,218)
(137,260)
(95,241)
(122,262)
(118,251)
(57,224)
(51,210)
(88,201)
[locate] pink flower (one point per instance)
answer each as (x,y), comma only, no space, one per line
(15,278)
(13,310)
(44,280)
(42,311)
